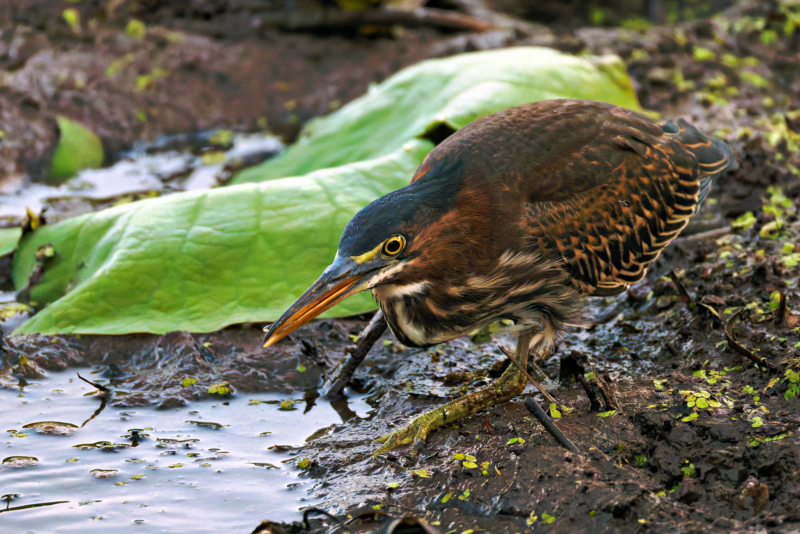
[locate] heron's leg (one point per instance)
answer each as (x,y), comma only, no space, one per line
(510,384)
(346,368)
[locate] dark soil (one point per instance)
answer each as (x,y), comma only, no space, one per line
(662,464)
(215,64)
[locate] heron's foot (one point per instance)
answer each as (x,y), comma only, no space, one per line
(418,429)
(414,432)
(508,386)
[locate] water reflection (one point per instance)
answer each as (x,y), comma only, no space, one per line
(224,458)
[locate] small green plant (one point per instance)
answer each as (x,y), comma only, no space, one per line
(793,389)
(689,471)
(547,518)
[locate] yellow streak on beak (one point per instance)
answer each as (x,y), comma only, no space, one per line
(367,256)
(312,309)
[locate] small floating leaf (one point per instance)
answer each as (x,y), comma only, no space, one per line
(222,389)
(287,405)
(186,382)
(422,473)
(199,423)
(690,417)
(305,462)
(20,461)
(55,428)
(607,414)
(268,465)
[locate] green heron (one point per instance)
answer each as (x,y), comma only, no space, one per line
(519,216)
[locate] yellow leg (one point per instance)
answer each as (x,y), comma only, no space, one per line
(510,384)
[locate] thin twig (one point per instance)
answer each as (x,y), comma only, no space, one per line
(688,300)
(536,384)
(684,295)
(98,386)
(741,350)
(338,19)
(702,236)
(549,425)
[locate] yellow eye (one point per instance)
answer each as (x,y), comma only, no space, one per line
(394,245)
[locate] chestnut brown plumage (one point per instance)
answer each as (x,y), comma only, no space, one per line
(518,216)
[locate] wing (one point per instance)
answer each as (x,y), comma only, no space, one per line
(637,185)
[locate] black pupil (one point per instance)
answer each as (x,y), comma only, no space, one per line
(393,246)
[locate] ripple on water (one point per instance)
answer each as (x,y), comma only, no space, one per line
(221,462)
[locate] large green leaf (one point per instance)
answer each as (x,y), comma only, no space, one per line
(9,237)
(199,261)
(78,148)
(453,92)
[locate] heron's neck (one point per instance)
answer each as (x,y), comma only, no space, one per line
(524,288)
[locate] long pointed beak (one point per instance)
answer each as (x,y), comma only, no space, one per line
(336,284)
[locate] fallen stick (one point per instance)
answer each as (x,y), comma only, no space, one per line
(549,425)
(702,236)
(98,386)
(741,350)
(339,19)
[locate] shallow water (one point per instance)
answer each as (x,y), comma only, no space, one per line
(208,485)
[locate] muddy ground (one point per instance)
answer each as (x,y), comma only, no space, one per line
(666,462)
